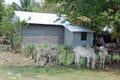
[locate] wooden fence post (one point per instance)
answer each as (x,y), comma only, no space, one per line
(66,57)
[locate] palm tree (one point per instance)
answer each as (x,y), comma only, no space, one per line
(25,5)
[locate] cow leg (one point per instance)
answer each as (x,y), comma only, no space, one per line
(85,60)
(93,64)
(101,61)
(88,60)
(37,61)
(77,61)
(46,60)
(49,60)
(57,60)
(33,55)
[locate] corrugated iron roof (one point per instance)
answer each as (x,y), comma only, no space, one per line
(77,29)
(37,18)
(47,19)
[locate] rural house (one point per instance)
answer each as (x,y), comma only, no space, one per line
(43,28)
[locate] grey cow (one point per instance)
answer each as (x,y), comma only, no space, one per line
(50,54)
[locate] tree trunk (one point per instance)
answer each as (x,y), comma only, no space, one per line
(118,39)
(11,43)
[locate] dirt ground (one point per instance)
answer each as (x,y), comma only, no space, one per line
(15,59)
(18,67)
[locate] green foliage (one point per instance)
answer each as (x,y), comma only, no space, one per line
(2,10)
(11,30)
(47,8)
(81,8)
(17,44)
(29,47)
(62,47)
(104,13)
(117,57)
(25,5)
(114,34)
(6,27)
(65,56)
(45,45)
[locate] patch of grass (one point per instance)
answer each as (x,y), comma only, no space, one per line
(54,73)
(116,57)
(38,69)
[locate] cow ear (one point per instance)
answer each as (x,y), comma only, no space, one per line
(53,48)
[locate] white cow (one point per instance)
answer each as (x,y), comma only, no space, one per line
(84,53)
(102,53)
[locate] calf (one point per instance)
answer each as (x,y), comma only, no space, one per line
(102,53)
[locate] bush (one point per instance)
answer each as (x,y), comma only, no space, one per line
(45,45)
(17,46)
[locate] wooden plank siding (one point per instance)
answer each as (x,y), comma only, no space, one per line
(68,38)
(39,34)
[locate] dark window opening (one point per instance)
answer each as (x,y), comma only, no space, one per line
(83,36)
